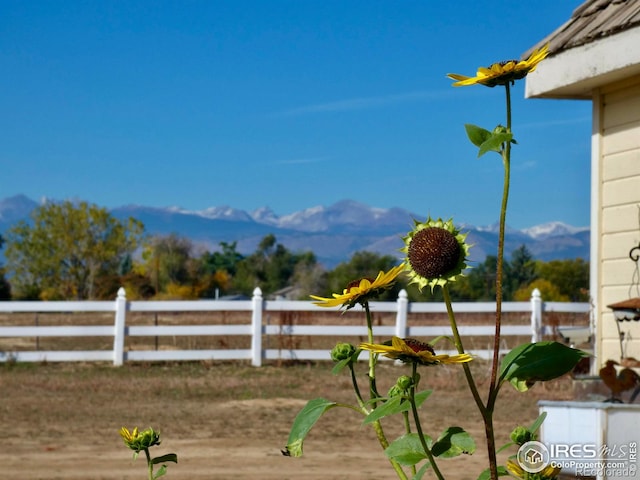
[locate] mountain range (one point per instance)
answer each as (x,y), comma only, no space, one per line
(333,232)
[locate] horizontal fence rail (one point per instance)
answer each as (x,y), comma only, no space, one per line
(256,308)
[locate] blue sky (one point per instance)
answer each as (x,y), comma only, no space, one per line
(285,104)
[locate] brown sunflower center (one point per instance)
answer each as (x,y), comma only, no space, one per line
(356,283)
(433,252)
(418,346)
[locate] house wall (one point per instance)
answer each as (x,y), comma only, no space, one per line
(617,117)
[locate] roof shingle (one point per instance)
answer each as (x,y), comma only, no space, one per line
(592,20)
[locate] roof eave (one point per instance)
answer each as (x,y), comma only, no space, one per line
(574,73)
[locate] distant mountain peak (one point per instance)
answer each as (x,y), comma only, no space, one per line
(16,208)
(552,229)
(332,232)
(265,215)
(224,212)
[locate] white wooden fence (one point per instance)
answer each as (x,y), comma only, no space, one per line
(256,307)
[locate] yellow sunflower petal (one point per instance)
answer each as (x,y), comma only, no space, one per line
(362,292)
(502,73)
(455,76)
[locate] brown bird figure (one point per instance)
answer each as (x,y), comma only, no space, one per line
(618,382)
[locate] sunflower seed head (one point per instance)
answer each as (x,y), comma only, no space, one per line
(433,252)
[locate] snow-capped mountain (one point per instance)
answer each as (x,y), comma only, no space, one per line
(552,229)
(332,232)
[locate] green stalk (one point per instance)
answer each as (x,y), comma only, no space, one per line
(416,418)
(372,358)
(493,384)
(377,426)
(407,429)
(458,342)
(356,387)
(149,463)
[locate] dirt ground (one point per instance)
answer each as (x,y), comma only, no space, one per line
(224,420)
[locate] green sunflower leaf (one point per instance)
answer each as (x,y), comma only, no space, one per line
(538,423)
(487,141)
(390,407)
(494,143)
(477,135)
(407,449)
(452,442)
(161,472)
(395,405)
(304,421)
(169,457)
(538,362)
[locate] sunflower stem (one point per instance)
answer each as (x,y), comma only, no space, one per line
(372,358)
(458,342)
(416,418)
(149,464)
(493,384)
(377,426)
(356,387)
(407,430)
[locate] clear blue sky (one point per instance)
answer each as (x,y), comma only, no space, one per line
(286,104)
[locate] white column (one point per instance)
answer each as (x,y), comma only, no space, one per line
(256,328)
(401,314)
(119,328)
(536,316)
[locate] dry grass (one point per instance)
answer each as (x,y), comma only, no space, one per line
(225,420)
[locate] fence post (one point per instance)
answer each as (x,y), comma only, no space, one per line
(119,327)
(401,314)
(536,316)
(256,328)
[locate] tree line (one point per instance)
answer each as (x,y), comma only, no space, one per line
(80,251)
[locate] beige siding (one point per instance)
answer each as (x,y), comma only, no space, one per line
(619,202)
(622,165)
(617,246)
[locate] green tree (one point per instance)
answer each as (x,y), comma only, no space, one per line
(215,270)
(571,277)
(226,259)
(168,261)
(519,272)
(548,290)
(5,287)
(271,267)
(479,282)
(66,248)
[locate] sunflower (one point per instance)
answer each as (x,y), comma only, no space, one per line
(137,440)
(436,253)
(410,350)
(361,291)
(547,473)
(502,73)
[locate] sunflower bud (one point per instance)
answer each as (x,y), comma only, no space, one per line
(404,382)
(342,351)
(139,441)
(522,435)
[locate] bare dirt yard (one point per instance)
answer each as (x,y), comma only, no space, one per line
(225,420)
